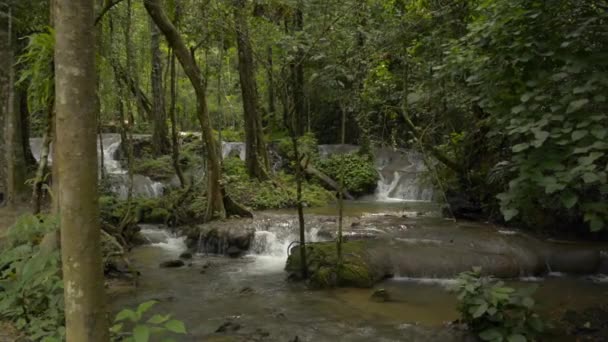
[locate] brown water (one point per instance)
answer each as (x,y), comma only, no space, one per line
(253,292)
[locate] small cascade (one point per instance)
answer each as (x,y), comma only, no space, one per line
(160,237)
(401,173)
(233,149)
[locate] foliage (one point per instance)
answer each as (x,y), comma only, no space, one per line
(277,193)
(358,172)
(31,289)
(307,146)
(37,69)
(160,168)
(496,312)
(539,71)
(140,330)
(231,135)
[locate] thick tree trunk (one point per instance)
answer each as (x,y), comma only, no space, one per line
(76,157)
(16,169)
(256,154)
(215,203)
(160,142)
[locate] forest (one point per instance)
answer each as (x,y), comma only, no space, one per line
(303,170)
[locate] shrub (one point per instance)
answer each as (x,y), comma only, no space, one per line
(31,289)
(496,312)
(140,330)
(360,175)
(157,168)
(307,145)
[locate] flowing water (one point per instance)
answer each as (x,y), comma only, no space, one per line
(252,291)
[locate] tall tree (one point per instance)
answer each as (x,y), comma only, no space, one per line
(215,198)
(160,142)
(76,152)
(256,154)
(16,166)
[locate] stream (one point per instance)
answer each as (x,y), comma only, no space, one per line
(252,292)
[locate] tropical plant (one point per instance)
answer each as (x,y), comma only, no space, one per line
(131,326)
(494,311)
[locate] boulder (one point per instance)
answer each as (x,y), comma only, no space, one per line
(172,264)
(225,238)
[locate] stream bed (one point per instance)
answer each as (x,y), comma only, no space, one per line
(253,301)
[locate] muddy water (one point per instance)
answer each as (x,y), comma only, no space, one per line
(253,292)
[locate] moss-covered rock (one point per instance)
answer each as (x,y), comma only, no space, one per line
(356,269)
(360,175)
(160,168)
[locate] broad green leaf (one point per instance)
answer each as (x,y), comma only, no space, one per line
(579,134)
(116,328)
(145,306)
(576,105)
(596,224)
(517,338)
(528,302)
(599,132)
(126,314)
(159,319)
(590,177)
(518,109)
(540,136)
(141,333)
(569,199)
(481,309)
(490,335)
(176,326)
(520,147)
(413,98)
(509,213)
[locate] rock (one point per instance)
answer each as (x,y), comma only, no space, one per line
(228,327)
(246,290)
(380,295)
(172,264)
(230,238)
(234,252)
(186,255)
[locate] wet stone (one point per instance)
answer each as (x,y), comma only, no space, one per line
(380,295)
(228,327)
(172,264)
(186,255)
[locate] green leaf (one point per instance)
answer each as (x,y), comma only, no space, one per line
(569,199)
(176,326)
(481,309)
(126,314)
(579,134)
(141,333)
(528,302)
(590,177)
(413,98)
(518,109)
(596,224)
(520,147)
(159,319)
(540,136)
(517,338)
(509,213)
(490,335)
(599,132)
(576,105)
(145,306)
(116,328)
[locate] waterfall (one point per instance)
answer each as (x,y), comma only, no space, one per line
(401,173)
(233,148)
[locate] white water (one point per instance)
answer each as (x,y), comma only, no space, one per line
(162,238)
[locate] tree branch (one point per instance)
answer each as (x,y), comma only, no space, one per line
(108,6)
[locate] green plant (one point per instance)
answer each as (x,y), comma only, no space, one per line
(494,311)
(31,289)
(130,325)
(360,175)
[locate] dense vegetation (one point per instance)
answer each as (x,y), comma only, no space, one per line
(505,99)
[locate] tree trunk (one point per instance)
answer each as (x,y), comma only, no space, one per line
(215,204)
(76,157)
(30,161)
(172,112)
(297,77)
(270,75)
(160,142)
(256,154)
(16,170)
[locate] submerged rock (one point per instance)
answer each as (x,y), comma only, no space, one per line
(225,238)
(228,327)
(380,295)
(172,264)
(186,255)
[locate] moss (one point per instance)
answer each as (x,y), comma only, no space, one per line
(157,215)
(156,168)
(278,193)
(360,175)
(323,269)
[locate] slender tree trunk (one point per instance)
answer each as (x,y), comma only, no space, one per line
(341,192)
(270,75)
(297,75)
(174,130)
(256,154)
(16,169)
(215,202)
(76,151)
(160,142)
(302,226)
